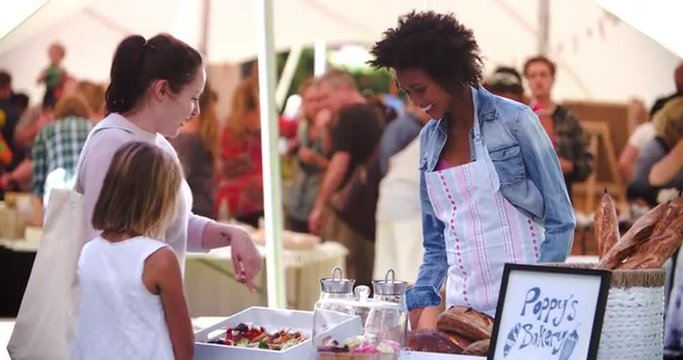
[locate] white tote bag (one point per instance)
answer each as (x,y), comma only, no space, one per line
(46,323)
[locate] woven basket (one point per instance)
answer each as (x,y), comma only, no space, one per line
(633,327)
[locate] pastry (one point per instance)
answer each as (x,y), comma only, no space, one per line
(257,337)
(358,348)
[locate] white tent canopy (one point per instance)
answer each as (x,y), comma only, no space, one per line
(600,57)
(654,18)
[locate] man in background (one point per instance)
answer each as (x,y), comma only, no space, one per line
(562,127)
(354,128)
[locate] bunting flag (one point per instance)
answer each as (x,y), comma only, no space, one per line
(560,47)
(601,28)
(594,31)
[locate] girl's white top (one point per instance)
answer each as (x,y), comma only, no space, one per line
(118,317)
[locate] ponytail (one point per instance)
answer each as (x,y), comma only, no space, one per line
(138,62)
(125,86)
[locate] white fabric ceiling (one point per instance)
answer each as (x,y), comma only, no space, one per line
(600,58)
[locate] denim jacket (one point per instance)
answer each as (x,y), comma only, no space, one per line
(530,178)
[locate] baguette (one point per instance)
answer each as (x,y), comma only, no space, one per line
(606,224)
(665,239)
(639,232)
(466,322)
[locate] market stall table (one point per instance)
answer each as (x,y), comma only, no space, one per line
(212,290)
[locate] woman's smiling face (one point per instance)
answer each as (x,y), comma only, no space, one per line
(424,92)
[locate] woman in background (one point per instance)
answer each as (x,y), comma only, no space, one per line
(312,159)
(198,150)
(660,162)
(240,190)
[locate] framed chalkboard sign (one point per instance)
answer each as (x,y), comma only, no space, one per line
(546,312)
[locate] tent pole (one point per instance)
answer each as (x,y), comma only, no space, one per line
(543,26)
(205,26)
(287,75)
(320,57)
(272,180)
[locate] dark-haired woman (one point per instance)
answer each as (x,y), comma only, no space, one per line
(491,186)
(154,89)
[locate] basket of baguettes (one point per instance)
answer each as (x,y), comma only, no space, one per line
(633,323)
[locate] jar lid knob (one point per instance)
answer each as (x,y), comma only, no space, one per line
(393,275)
(335,271)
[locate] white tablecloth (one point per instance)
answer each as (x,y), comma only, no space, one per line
(211,289)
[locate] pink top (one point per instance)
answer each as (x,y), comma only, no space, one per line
(442,165)
(186,230)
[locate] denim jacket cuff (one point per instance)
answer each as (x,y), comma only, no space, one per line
(422,296)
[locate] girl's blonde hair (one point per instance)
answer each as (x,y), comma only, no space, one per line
(207,122)
(244,101)
(93,94)
(669,122)
(72,105)
(139,192)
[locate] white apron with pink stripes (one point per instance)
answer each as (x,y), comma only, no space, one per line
(483,230)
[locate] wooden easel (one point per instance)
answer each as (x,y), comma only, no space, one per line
(602,148)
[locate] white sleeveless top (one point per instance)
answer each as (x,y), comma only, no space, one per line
(118,317)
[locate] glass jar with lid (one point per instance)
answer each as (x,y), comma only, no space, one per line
(351,323)
(334,305)
(389,322)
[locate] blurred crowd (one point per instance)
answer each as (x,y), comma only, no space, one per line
(355,153)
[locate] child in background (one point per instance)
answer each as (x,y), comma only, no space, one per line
(132,304)
(53,76)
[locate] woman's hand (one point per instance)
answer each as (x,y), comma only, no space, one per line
(245,257)
(424,318)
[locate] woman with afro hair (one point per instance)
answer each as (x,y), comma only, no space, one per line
(490,182)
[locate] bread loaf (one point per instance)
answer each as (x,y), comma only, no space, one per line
(466,322)
(606,224)
(456,339)
(638,233)
(432,340)
(479,348)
